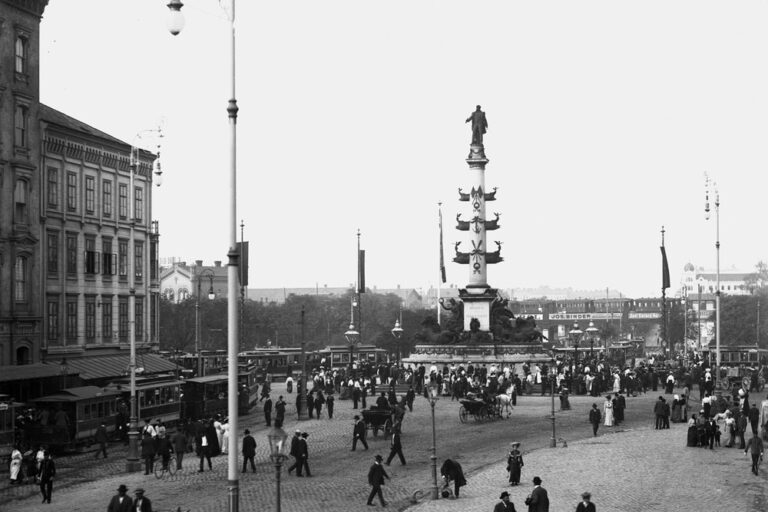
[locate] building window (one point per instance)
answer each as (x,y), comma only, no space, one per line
(90,194)
(139,319)
(153,305)
(123,201)
(72,255)
(108,262)
(20,200)
(122,320)
(53,187)
(71,332)
(21,125)
(106,321)
(71,191)
(22,44)
(53,254)
(53,319)
(90,320)
(106,202)
(138,204)
(20,279)
(92,259)
(122,249)
(138,261)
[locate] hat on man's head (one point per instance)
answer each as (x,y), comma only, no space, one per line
(379,457)
(357,417)
(514,443)
(586,495)
(304,435)
(505,494)
(122,488)
(536,480)
(139,490)
(297,431)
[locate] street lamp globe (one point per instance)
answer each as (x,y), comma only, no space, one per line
(278,448)
(397,331)
(175,21)
(211,294)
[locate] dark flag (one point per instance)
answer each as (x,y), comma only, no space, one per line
(361,271)
(242,249)
(664,269)
(442,260)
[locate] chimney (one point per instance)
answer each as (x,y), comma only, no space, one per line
(198,263)
(217,263)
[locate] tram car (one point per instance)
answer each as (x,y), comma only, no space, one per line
(741,366)
(248,386)
(204,397)
(74,415)
(278,362)
(157,397)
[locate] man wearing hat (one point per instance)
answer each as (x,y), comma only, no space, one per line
(249,451)
(538,500)
(359,433)
(585,505)
(121,502)
(504,505)
(295,441)
(140,503)
(303,455)
(376,476)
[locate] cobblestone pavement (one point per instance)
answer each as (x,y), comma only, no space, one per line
(630,467)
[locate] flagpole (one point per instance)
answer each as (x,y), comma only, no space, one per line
(441,264)
(664,296)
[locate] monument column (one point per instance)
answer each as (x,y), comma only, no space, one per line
(478,273)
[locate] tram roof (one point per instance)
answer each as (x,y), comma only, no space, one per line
(208,378)
(76,394)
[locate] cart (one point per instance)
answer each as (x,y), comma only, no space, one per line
(480,410)
(379,419)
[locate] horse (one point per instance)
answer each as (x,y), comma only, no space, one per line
(504,403)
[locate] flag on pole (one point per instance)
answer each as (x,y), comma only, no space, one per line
(361,271)
(664,269)
(442,260)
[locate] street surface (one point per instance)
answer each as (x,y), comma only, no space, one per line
(631,467)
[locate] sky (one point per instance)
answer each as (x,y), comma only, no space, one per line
(603,118)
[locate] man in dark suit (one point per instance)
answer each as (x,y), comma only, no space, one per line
(268,411)
(396,447)
(249,451)
(538,500)
(376,476)
(148,452)
(585,505)
(359,433)
(121,502)
(303,455)
(45,476)
(140,503)
(179,442)
(101,438)
(594,419)
(451,471)
(504,505)
(295,441)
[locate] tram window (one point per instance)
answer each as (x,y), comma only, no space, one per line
(100,408)
(744,356)
(753,357)
(336,358)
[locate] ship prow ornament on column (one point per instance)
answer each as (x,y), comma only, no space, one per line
(478,297)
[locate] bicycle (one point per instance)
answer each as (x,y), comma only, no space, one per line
(170,469)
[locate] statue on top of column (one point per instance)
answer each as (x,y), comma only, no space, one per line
(479,125)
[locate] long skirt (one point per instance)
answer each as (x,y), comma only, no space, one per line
(514,473)
(693,437)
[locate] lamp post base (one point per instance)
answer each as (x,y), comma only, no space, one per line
(132,461)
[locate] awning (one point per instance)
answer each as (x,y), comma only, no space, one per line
(31,371)
(105,367)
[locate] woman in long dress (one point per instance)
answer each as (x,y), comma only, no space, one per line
(15,465)
(693,434)
(616,382)
(676,410)
(608,411)
(514,464)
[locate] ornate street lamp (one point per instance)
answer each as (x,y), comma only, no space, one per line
(175,24)
(434,396)
(278,452)
(397,332)
(592,335)
(575,335)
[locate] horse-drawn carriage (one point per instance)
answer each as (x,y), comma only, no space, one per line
(492,408)
(383,418)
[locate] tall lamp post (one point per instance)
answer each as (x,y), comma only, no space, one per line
(301,400)
(278,452)
(575,335)
(434,396)
(211,295)
(397,333)
(553,380)
(175,24)
(352,336)
(717,280)
(592,335)
(699,283)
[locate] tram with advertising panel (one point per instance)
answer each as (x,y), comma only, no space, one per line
(248,387)
(278,362)
(75,414)
(741,366)
(157,397)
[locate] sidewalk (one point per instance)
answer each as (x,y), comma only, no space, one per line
(633,470)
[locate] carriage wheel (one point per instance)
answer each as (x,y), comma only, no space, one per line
(482,414)
(158,468)
(463,414)
(172,465)
(746,384)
